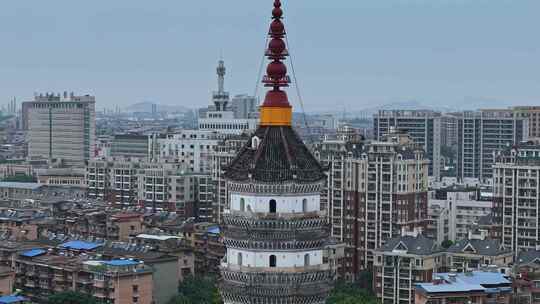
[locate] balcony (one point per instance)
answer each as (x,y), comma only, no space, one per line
(100,283)
(59,288)
(30,284)
(100,294)
(85,280)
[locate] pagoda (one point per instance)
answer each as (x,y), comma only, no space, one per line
(274,231)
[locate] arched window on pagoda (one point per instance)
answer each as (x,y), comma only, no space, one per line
(242,205)
(273,206)
(273,260)
(306,259)
(304,205)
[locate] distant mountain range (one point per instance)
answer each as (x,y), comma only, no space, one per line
(146,106)
(473,104)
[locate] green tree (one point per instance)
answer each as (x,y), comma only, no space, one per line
(197,289)
(180,299)
(347,293)
(447,243)
(71,297)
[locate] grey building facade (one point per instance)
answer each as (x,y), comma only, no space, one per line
(60,127)
(423,126)
(483,133)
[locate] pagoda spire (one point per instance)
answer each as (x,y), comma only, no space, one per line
(276,110)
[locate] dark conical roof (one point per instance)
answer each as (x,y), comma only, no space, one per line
(280,156)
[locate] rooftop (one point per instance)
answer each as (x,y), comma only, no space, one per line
(476,281)
(33,253)
(157,237)
(275,154)
(16,185)
(121,263)
(80,245)
(487,247)
(419,245)
(528,257)
(12,299)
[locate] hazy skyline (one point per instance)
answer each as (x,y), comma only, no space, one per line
(353,53)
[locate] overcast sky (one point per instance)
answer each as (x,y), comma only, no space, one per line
(354,53)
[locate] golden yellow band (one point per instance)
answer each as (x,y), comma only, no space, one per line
(275,116)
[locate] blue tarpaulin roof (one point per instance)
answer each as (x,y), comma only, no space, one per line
(120,262)
(80,245)
(213,230)
(11,299)
(33,253)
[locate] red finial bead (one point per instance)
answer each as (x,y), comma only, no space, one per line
(277,13)
(276,46)
(276,70)
(277,28)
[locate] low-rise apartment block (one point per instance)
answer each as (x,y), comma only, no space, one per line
(40,273)
(401,263)
(477,251)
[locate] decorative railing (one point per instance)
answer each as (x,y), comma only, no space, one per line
(274,245)
(277,279)
(285,294)
(276,235)
(265,221)
(307,188)
(252,269)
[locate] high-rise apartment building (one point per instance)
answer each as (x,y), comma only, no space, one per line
(60,127)
(334,154)
(192,148)
(423,126)
(131,146)
(532,114)
(387,191)
(480,135)
(373,191)
(245,106)
(516,196)
(448,130)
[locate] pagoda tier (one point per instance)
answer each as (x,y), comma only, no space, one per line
(279,234)
(301,288)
